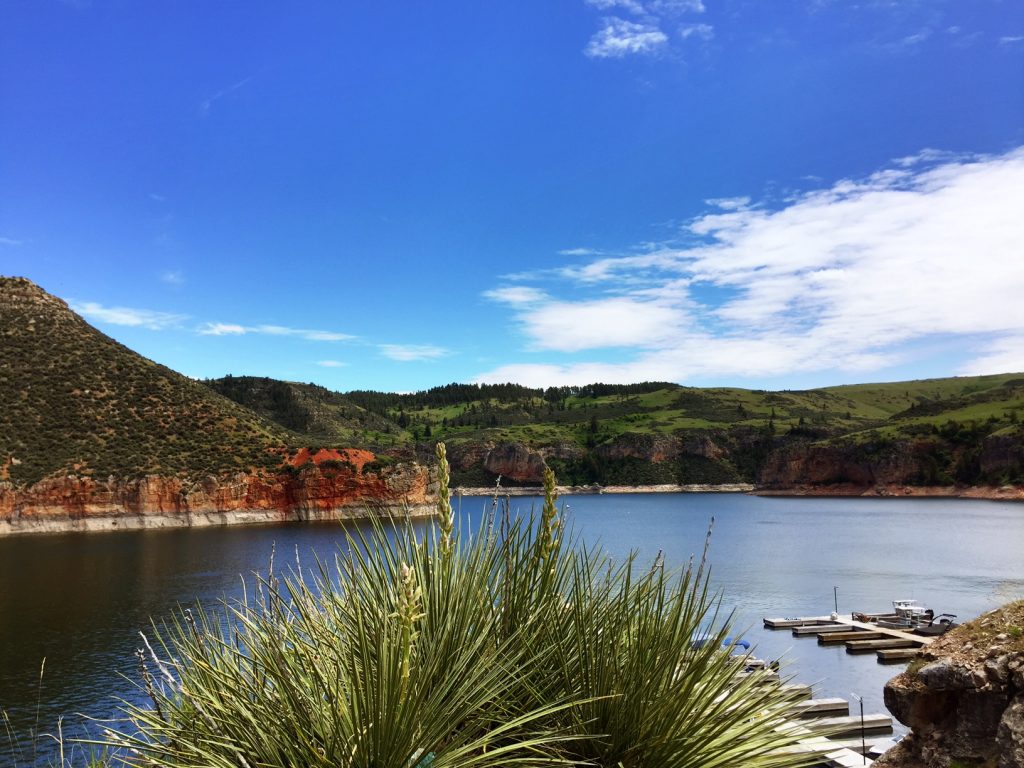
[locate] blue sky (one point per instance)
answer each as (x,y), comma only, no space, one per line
(395,195)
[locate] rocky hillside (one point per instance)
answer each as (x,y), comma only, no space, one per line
(964,698)
(77,402)
(318,414)
(89,428)
(929,433)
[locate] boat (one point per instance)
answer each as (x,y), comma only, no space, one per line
(939,625)
(911,616)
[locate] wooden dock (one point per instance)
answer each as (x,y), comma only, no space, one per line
(866,646)
(821,629)
(891,646)
(835,638)
(832,707)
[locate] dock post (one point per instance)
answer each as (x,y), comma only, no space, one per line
(863,746)
(835,596)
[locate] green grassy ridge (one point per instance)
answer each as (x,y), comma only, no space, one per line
(945,419)
(316,413)
(533,417)
(76,401)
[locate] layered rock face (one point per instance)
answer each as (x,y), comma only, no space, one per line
(308,493)
(517,461)
(964,699)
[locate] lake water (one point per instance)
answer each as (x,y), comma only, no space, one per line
(79,600)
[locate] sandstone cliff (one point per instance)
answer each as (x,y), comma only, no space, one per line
(964,698)
(337,484)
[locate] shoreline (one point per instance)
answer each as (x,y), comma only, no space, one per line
(991,493)
(595,490)
(982,492)
(164,521)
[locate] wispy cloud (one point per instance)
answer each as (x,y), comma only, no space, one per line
(917,38)
(844,278)
(10,242)
(1011,39)
(331,363)
(172,277)
(577,252)
(697,31)
(130,316)
(627,5)
(729,203)
(516,295)
(618,38)
(207,104)
(412,352)
(235,329)
(675,7)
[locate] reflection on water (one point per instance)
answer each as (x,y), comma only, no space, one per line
(79,600)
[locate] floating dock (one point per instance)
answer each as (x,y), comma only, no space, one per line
(825,728)
(891,646)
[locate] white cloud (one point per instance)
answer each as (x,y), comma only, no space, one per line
(1011,39)
(577,252)
(139,318)
(234,329)
(567,326)
(331,363)
(699,31)
(841,279)
(620,38)
(516,295)
(1005,355)
(412,352)
(629,5)
(729,203)
(10,241)
(675,7)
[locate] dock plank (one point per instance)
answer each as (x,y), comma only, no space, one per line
(866,646)
(828,638)
(851,724)
(818,707)
(816,629)
(789,623)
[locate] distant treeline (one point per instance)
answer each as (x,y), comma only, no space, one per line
(454,394)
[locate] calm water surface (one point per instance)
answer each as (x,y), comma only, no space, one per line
(79,600)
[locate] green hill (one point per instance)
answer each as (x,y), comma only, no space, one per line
(663,432)
(75,401)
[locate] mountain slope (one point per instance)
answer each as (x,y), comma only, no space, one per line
(76,401)
(317,413)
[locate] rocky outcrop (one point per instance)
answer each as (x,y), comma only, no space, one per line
(648,447)
(854,464)
(334,488)
(964,698)
(511,460)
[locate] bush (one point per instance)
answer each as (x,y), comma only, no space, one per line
(510,645)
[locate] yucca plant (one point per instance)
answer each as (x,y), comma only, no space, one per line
(511,645)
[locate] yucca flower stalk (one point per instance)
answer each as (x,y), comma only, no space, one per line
(445,518)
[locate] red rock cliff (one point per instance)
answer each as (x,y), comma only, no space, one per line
(331,487)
